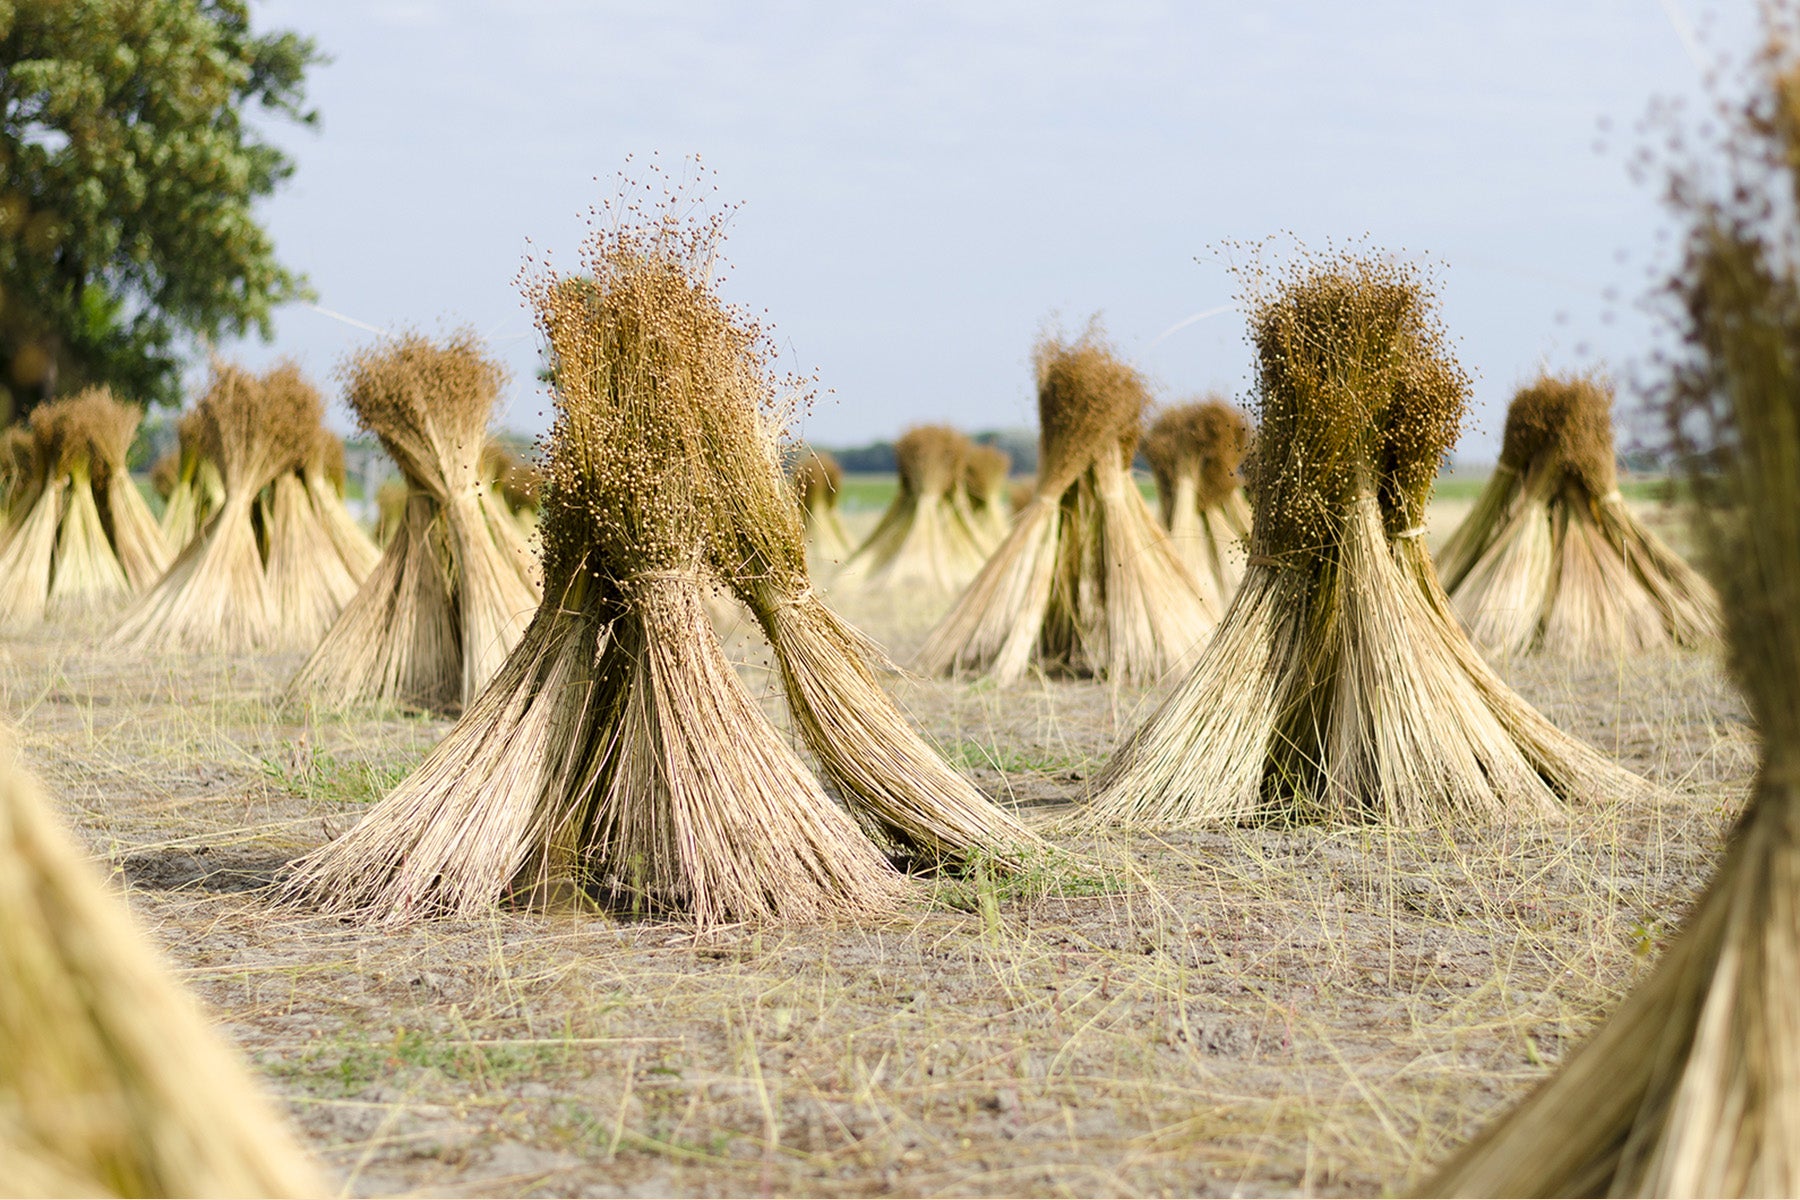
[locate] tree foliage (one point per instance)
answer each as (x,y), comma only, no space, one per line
(129,168)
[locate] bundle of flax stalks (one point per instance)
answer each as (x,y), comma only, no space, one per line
(903,792)
(512,492)
(616,755)
(324,476)
(197,491)
(137,541)
(390,509)
(454,589)
(1692,1088)
(1339,686)
(1086,581)
(985,469)
(215,595)
(817,479)
(25,562)
(111,1081)
(1550,558)
(1195,451)
(925,539)
(316,556)
(18,471)
(88,540)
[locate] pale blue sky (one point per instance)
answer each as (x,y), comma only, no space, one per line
(923,183)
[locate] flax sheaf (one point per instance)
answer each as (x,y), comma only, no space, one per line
(817,477)
(452,592)
(85,540)
(312,563)
(1086,582)
(1692,1087)
(1551,559)
(1339,687)
(1195,452)
(196,489)
(616,757)
(112,1082)
(215,596)
(926,540)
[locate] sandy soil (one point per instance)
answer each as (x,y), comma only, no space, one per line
(1224,1012)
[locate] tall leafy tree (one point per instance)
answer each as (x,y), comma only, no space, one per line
(129,170)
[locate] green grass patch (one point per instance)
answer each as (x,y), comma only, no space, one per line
(333,780)
(350,1063)
(1015,759)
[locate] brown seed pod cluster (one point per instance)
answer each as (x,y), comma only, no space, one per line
(1356,396)
(1087,394)
(1563,423)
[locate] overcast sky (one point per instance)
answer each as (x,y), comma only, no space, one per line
(924,183)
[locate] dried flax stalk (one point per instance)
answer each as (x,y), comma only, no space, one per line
(1086,581)
(924,541)
(1692,1087)
(985,469)
(1195,451)
(323,474)
(1551,560)
(137,540)
(85,575)
(1339,687)
(616,755)
(198,489)
(111,1080)
(429,403)
(817,480)
(868,751)
(214,596)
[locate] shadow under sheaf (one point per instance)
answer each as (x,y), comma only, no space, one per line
(221,871)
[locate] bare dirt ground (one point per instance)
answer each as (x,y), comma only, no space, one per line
(1238,1011)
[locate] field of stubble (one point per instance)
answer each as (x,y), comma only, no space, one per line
(1231,1011)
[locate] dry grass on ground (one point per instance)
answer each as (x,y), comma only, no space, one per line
(1241,1011)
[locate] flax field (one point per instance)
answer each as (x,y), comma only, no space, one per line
(1240,1011)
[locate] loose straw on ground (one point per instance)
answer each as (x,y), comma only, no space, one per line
(1339,687)
(1086,581)
(925,539)
(817,480)
(1692,1088)
(449,597)
(112,1083)
(1194,451)
(616,756)
(1550,558)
